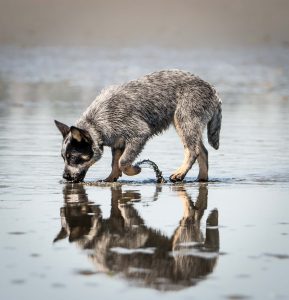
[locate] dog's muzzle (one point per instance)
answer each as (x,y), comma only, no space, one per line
(77,178)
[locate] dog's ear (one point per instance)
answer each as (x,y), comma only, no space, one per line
(61,235)
(64,129)
(80,134)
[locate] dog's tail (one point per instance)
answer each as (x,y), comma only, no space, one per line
(214,127)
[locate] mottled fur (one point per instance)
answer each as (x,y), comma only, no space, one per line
(124,117)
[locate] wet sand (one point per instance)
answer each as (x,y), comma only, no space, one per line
(227,239)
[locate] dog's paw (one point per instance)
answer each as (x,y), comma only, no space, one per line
(110,179)
(202,179)
(131,170)
(113,177)
(177,177)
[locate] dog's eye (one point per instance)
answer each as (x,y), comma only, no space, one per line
(67,156)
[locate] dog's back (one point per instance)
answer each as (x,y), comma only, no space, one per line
(148,105)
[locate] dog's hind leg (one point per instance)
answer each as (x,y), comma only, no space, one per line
(203,162)
(116,171)
(131,151)
(189,159)
(190,133)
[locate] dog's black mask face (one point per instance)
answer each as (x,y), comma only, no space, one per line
(77,152)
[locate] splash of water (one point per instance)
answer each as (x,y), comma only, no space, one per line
(150,164)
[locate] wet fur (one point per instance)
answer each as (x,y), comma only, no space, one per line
(124,117)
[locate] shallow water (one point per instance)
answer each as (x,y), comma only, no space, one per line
(227,239)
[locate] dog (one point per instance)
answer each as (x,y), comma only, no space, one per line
(126,116)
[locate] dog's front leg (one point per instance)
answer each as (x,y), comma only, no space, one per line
(115,172)
(131,151)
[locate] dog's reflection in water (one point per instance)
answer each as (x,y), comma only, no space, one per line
(123,244)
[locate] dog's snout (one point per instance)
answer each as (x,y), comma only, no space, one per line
(73,178)
(66,176)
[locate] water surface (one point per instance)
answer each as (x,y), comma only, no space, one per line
(226,239)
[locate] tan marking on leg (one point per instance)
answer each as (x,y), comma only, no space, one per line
(189,153)
(131,151)
(130,170)
(203,163)
(182,171)
(115,172)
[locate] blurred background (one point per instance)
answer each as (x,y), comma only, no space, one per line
(129,23)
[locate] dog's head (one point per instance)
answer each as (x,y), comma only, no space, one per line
(79,151)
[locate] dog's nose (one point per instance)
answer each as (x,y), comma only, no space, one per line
(66,176)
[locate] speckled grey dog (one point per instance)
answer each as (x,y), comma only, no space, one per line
(124,117)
